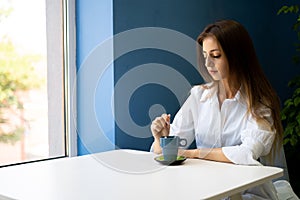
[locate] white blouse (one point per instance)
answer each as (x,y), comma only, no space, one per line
(231,127)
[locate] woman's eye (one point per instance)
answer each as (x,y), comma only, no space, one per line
(216,56)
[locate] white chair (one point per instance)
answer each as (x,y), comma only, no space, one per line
(284,190)
(282,185)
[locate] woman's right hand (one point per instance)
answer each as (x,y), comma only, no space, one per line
(160,126)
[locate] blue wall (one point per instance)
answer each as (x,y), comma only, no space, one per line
(272,37)
(155,77)
(95,124)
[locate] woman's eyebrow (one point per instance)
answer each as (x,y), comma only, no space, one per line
(213,50)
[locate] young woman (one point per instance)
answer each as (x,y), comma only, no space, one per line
(234,116)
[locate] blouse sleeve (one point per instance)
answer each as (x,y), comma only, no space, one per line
(257,140)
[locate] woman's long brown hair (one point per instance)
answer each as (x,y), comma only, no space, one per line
(245,70)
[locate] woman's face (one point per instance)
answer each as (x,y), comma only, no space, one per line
(215,59)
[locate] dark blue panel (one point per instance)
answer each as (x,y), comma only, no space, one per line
(141,56)
(148,94)
(271,35)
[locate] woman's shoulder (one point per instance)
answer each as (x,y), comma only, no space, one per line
(202,89)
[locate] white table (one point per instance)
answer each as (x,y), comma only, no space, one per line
(128,174)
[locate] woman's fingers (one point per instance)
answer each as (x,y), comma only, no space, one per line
(156,127)
(161,125)
(164,132)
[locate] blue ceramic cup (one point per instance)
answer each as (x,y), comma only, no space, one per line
(170,145)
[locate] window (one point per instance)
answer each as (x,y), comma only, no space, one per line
(36,80)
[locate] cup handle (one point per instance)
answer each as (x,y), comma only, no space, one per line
(184,142)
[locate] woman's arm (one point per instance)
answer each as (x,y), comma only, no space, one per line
(215,154)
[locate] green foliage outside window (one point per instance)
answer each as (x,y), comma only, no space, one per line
(17,74)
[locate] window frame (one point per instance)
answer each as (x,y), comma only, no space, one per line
(70,77)
(61,62)
(61,75)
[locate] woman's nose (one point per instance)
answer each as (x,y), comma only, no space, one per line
(209,62)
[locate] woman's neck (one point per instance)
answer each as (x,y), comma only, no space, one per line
(225,91)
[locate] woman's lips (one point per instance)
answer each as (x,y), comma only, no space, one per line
(213,71)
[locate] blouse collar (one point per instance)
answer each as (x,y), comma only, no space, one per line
(211,89)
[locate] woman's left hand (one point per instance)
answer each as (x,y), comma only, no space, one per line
(189,153)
